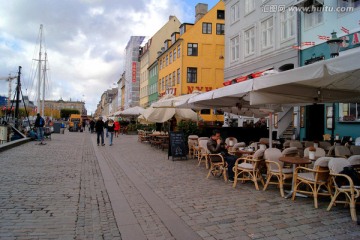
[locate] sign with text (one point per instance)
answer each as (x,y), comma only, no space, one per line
(177,147)
(133,71)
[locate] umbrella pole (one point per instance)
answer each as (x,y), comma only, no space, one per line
(270,130)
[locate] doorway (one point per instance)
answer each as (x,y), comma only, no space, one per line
(315,122)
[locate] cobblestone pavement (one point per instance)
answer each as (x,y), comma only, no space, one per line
(55,191)
(73,189)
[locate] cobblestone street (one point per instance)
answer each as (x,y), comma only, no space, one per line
(73,189)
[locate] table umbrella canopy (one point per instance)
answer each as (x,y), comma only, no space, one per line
(172,101)
(332,80)
(163,114)
(134,111)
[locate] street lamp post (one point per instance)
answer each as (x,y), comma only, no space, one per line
(334,45)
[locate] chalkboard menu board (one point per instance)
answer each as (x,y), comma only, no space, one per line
(177,147)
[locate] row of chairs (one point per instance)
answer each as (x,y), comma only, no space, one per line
(319,180)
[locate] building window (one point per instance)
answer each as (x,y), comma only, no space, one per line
(192,49)
(178,52)
(348,3)
(249,6)
(313,19)
(220,29)
(173,38)
(206,28)
(167,60)
(349,112)
(163,63)
(249,38)
(267,33)
(170,58)
(192,75)
(174,55)
(160,64)
(220,14)
(234,48)
(287,19)
(182,29)
(235,12)
(170,80)
(167,82)
(163,84)
(178,76)
(173,79)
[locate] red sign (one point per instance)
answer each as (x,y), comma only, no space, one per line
(133,71)
(198,88)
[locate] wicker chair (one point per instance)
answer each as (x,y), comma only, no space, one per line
(218,166)
(325,145)
(203,153)
(355,150)
(350,191)
(248,170)
(314,178)
(299,146)
(192,142)
(290,152)
(342,151)
(318,153)
(275,169)
(354,161)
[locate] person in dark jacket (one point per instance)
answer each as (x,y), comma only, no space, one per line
(111,130)
(39,124)
(99,128)
(216,146)
(92,125)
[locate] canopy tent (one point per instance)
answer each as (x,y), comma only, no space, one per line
(332,80)
(152,114)
(141,119)
(134,111)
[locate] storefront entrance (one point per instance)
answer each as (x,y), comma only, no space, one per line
(315,122)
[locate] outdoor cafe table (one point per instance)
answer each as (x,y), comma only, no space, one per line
(241,152)
(294,161)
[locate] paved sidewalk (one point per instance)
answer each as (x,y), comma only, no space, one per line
(73,189)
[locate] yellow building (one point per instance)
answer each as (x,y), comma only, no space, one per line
(193,59)
(148,55)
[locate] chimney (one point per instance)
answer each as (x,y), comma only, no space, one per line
(200,10)
(171,17)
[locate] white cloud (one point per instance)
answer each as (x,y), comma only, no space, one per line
(85,41)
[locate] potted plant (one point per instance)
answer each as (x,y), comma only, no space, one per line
(312,151)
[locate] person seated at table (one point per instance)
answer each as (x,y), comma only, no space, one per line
(215,145)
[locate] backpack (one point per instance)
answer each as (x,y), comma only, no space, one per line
(41,122)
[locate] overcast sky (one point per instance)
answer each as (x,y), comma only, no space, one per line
(85,41)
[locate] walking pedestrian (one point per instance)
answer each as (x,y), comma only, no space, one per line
(92,125)
(99,128)
(107,131)
(117,128)
(111,130)
(39,124)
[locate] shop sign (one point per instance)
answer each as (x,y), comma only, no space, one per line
(350,41)
(190,89)
(133,71)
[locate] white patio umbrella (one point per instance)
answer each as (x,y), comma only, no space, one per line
(163,114)
(133,111)
(332,80)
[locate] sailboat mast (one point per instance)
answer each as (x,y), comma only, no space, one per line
(43,90)
(39,73)
(44,80)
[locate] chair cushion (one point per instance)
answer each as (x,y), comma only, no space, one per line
(245,165)
(284,170)
(308,176)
